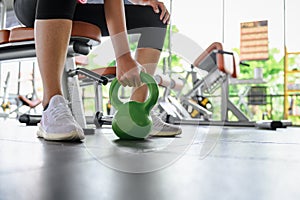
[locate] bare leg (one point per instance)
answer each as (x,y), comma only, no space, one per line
(52,38)
(148,58)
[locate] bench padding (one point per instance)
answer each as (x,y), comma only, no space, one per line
(79,29)
(217,48)
(19,43)
(4,36)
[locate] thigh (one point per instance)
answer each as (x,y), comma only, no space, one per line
(92,13)
(55,9)
(144,21)
(28,10)
(142,16)
(136,16)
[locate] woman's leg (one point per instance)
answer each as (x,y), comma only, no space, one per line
(148,58)
(52,21)
(53,26)
(143,20)
(51,53)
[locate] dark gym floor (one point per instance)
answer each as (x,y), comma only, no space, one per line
(207,163)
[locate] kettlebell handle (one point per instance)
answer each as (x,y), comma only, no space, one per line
(145,78)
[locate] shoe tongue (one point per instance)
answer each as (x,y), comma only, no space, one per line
(56,100)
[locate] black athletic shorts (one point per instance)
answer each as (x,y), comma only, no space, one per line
(139,19)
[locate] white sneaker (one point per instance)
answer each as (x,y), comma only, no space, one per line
(57,122)
(163,129)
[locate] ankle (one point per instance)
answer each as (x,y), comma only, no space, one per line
(139,94)
(45,107)
(47,98)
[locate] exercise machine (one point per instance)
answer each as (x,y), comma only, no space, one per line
(216,67)
(30,100)
(5,104)
(215,73)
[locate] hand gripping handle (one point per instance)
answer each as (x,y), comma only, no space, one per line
(145,78)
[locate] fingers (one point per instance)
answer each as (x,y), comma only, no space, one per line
(130,79)
(128,71)
(124,81)
(137,82)
(160,6)
(164,15)
(155,8)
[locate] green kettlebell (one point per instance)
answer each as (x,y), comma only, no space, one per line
(132,119)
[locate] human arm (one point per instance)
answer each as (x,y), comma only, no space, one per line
(127,67)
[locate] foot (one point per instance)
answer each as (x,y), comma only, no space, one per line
(163,129)
(57,122)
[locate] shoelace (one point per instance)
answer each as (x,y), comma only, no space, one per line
(157,121)
(61,111)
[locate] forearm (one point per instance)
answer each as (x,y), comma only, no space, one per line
(115,18)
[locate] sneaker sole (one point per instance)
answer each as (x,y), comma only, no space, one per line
(165,134)
(70,136)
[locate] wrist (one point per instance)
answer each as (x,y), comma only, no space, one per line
(125,56)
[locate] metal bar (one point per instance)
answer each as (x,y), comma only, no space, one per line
(3,14)
(92,75)
(71,91)
(213,123)
(223,21)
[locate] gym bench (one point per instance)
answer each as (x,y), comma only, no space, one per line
(18,43)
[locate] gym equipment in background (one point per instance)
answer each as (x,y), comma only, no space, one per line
(132,119)
(107,73)
(215,73)
(29,119)
(27,101)
(216,67)
(273,124)
(201,101)
(31,100)
(5,104)
(101,119)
